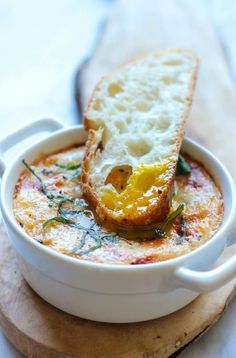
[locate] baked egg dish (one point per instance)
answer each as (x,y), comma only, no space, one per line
(49,206)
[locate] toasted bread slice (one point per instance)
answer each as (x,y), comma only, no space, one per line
(136,118)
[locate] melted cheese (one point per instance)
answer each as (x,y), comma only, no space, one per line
(202,199)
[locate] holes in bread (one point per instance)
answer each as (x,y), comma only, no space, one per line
(119,177)
(167,80)
(153,94)
(164,123)
(138,147)
(166,142)
(173,62)
(98,104)
(121,126)
(114,88)
(152,64)
(178,99)
(143,106)
(120,107)
(151,123)
(129,120)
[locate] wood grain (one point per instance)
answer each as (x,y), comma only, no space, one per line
(40,330)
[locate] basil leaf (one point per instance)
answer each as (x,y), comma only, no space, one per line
(182,166)
(63,212)
(44,189)
(81,244)
(183,231)
(161,232)
(68,166)
(43,186)
(59,219)
(98,244)
(76,174)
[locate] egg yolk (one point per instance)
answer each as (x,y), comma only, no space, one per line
(142,187)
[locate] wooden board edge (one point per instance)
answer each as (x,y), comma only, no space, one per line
(23,342)
(84,64)
(208,327)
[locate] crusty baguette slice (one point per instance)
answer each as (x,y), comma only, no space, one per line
(136,118)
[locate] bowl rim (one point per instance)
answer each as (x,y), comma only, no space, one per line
(10,220)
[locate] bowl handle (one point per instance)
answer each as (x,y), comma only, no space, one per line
(40,125)
(206,281)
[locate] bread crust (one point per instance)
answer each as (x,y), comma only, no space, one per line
(148,219)
(158,213)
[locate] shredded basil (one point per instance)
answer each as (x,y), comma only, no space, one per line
(98,244)
(65,220)
(44,189)
(161,232)
(59,219)
(109,236)
(183,231)
(64,212)
(76,174)
(97,237)
(68,166)
(43,186)
(74,212)
(64,200)
(182,166)
(81,243)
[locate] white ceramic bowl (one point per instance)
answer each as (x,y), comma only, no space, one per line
(114,293)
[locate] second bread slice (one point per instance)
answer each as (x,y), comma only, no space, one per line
(136,118)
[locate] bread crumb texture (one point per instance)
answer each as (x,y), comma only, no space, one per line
(138,114)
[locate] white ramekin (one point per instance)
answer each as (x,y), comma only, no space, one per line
(113,293)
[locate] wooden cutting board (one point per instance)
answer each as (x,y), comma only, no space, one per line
(40,330)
